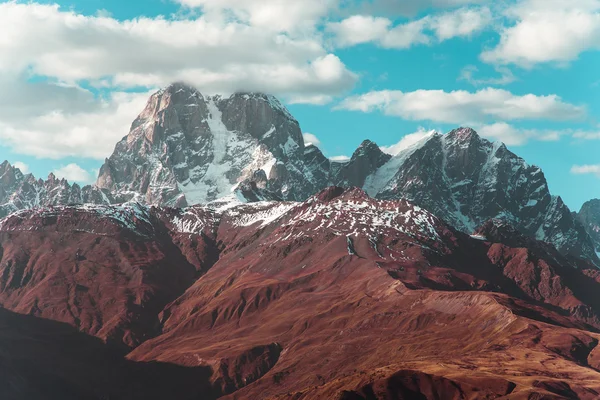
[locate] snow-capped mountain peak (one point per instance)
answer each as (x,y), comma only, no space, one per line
(187,148)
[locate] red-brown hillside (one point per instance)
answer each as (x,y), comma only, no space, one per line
(342,297)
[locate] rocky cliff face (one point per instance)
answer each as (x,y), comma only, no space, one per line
(186,148)
(589,216)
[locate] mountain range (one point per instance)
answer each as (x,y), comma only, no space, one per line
(186,148)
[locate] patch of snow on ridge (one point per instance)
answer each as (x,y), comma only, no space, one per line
(365,217)
(189,222)
(128,215)
(263,212)
(479,237)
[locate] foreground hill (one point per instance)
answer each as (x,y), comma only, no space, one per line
(342,296)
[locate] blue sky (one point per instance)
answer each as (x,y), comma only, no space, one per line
(75,74)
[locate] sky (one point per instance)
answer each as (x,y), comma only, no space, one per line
(74,74)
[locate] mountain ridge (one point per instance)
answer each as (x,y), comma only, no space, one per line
(340,296)
(186,148)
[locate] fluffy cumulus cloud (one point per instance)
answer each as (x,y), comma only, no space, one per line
(309,138)
(407,141)
(215,54)
(586,169)
(73,173)
(460,23)
(542,31)
(462,107)
(359,29)
(430,29)
(75,123)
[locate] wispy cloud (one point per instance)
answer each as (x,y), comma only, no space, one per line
(339,158)
(468,74)
(514,136)
(589,135)
(462,107)
(586,169)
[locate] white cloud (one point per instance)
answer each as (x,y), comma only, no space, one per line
(24,168)
(214,54)
(359,29)
(309,138)
(514,136)
(89,130)
(405,35)
(547,31)
(460,23)
(587,135)
(73,173)
(339,158)
(462,107)
(314,100)
(278,15)
(407,141)
(506,76)
(586,169)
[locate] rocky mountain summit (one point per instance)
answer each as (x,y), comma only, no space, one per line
(186,148)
